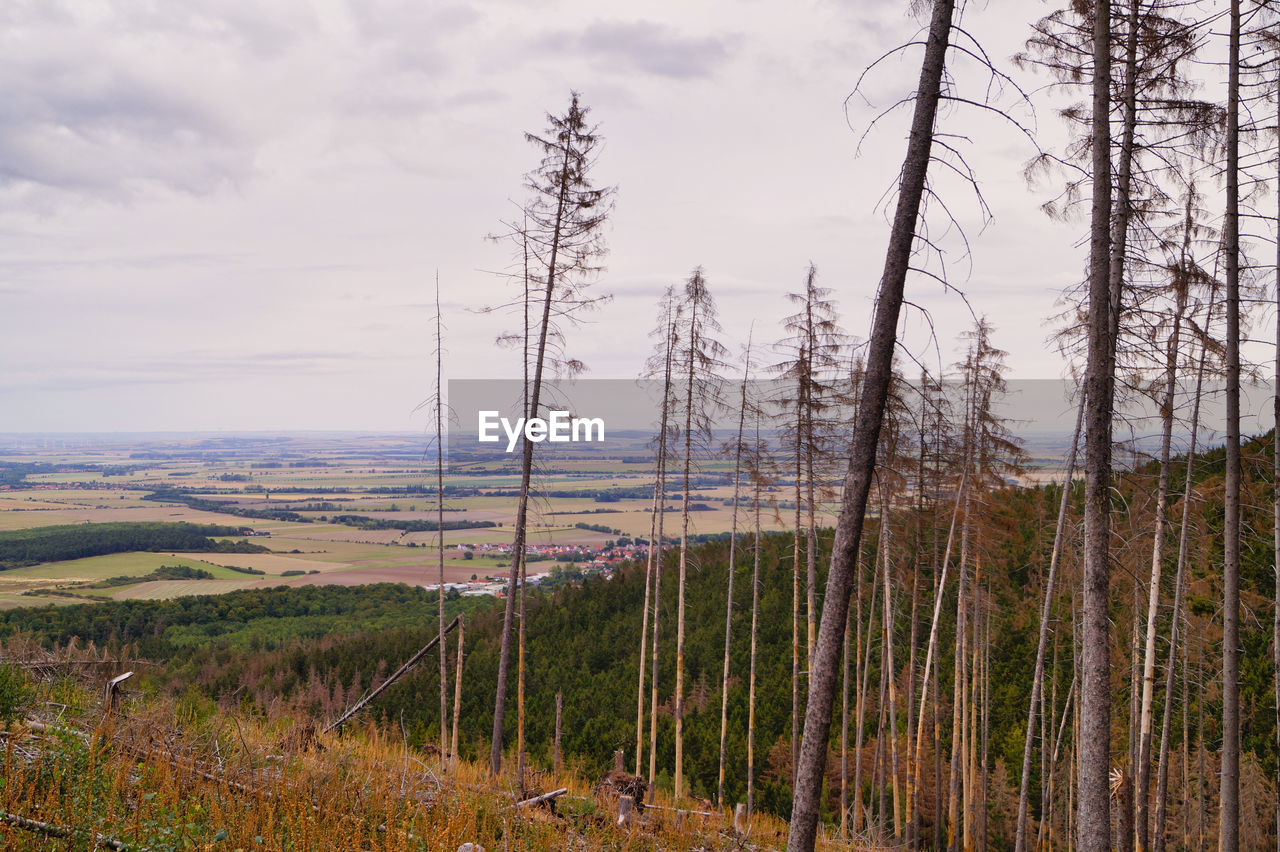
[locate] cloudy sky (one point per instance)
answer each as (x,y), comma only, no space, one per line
(224,214)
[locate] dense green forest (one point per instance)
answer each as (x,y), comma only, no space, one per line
(77,541)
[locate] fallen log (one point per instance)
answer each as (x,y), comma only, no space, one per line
(50,830)
(545,797)
(355,708)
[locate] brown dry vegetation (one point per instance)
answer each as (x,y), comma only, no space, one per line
(181,772)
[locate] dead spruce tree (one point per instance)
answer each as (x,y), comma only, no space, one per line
(808,375)
(697,361)
(739,447)
(659,363)
(563,229)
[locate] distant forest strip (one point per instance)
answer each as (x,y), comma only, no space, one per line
(77,541)
(366,523)
(191,501)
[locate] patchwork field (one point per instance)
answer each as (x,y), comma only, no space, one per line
(345,510)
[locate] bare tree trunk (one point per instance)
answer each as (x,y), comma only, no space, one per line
(1037,679)
(733,544)
(1142,779)
(912,796)
(444,650)
(684,553)
(863,687)
(1094,802)
(1229,797)
(555,748)
(888,664)
(661,541)
(526,474)
(755,621)
(844,738)
(795,605)
(1275,493)
(939,593)
(457,686)
(654,551)
(986,728)
(862,456)
(958,803)
(1162,773)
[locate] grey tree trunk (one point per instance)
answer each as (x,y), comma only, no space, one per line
(1162,772)
(653,562)
(444,651)
(1037,679)
(1142,780)
(733,544)
(1229,795)
(862,455)
(526,475)
(661,540)
(1275,496)
(1093,823)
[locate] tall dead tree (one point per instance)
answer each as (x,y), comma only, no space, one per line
(758,463)
(738,450)
(659,362)
(808,371)
(1037,677)
(564,223)
(862,453)
(1229,795)
(698,358)
(439,412)
(1093,822)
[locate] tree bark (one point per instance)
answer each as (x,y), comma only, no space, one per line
(862,456)
(1229,796)
(1093,823)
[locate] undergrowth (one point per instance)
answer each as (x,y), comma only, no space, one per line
(168,773)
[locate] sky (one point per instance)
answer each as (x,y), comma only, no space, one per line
(230,215)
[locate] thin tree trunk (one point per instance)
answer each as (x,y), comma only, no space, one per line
(938,595)
(889,666)
(1229,797)
(795,595)
(863,687)
(755,621)
(684,550)
(457,686)
(1162,772)
(555,749)
(958,803)
(1142,780)
(526,474)
(444,651)
(912,796)
(661,541)
(844,738)
(733,543)
(1037,678)
(654,551)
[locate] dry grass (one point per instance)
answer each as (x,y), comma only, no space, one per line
(179,773)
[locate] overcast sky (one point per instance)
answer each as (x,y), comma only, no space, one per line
(227,214)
